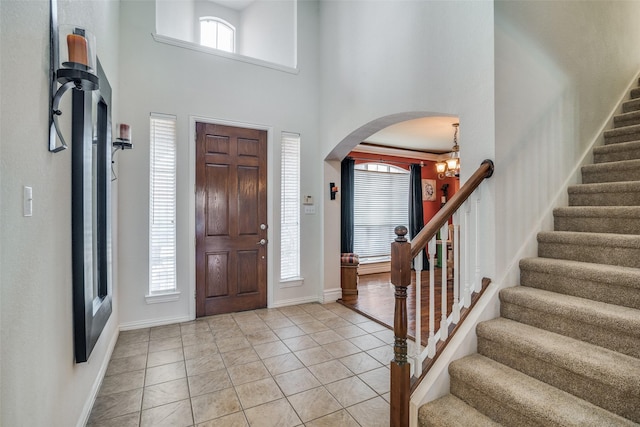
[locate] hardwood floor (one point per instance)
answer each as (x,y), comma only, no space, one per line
(376,300)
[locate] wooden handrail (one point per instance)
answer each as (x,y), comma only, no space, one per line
(402,252)
(422,238)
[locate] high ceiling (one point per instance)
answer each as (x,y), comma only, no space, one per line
(429,134)
(234,4)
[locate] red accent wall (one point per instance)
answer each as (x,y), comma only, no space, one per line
(428,172)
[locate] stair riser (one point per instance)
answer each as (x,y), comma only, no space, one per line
(494,409)
(623,120)
(624,257)
(590,389)
(615,340)
(616,156)
(593,290)
(610,175)
(635,93)
(632,105)
(450,411)
(626,137)
(598,224)
(604,199)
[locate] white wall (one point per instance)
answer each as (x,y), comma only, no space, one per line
(561,68)
(381,58)
(188,83)
(176,19)
(268,30)
(41,384)
(265,30)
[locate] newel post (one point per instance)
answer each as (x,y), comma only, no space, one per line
(400,368)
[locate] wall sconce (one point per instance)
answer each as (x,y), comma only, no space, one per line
(451,166)
(73,65)
(333,190)
(122,142)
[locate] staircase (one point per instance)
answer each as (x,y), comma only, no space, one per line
(566,351)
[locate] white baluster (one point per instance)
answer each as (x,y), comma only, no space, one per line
(444,233)
(417,265)
(455,310)
(467,260)
(478,280)
(431,343)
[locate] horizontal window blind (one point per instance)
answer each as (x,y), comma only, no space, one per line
(290,206)
(162,205)
(381,203)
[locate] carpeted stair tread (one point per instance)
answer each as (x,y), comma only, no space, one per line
(601,248)
(515,399)
(626,119)
(598,282)
(631,105)
(598,219)
(625,193)
(617,152)
(599,323)
(601,376)
(622,134)
(634,93)
(623,170)
(449,411)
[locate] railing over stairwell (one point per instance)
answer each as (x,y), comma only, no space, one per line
(405,374)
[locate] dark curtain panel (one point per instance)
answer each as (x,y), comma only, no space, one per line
(346,224)
(416,217)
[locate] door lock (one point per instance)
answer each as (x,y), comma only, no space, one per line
(263,226)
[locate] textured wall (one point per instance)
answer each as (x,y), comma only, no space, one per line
(41,384)
(561,69)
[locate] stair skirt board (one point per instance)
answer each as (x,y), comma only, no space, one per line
(566,349)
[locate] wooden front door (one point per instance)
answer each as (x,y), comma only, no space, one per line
(231,219)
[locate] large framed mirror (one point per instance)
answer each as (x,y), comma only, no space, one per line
(91,214)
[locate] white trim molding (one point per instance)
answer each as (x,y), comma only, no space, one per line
(153,322)
(221,53)
(331,295)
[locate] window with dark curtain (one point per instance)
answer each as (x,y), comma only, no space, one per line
(416,217)
(346,206)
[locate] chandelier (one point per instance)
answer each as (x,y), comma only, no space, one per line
(451,166)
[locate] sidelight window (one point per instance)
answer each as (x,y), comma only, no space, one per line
(290,207)
(162,205)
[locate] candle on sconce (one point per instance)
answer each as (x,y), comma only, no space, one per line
(124,132)
(77,46)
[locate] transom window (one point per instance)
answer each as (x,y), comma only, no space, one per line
(217,33)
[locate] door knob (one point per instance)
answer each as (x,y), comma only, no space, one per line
(262,242)
(263,226)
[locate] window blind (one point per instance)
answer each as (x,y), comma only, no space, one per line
(381,203)
(290,207)
(162,205)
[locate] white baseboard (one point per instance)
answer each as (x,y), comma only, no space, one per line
(88,405)
(294,301)
(151,323)
(331,295)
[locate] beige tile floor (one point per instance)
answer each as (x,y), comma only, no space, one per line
(313,365)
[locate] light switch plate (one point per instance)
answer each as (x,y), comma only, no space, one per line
(309,209)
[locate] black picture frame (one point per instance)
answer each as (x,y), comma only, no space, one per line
(91,214)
